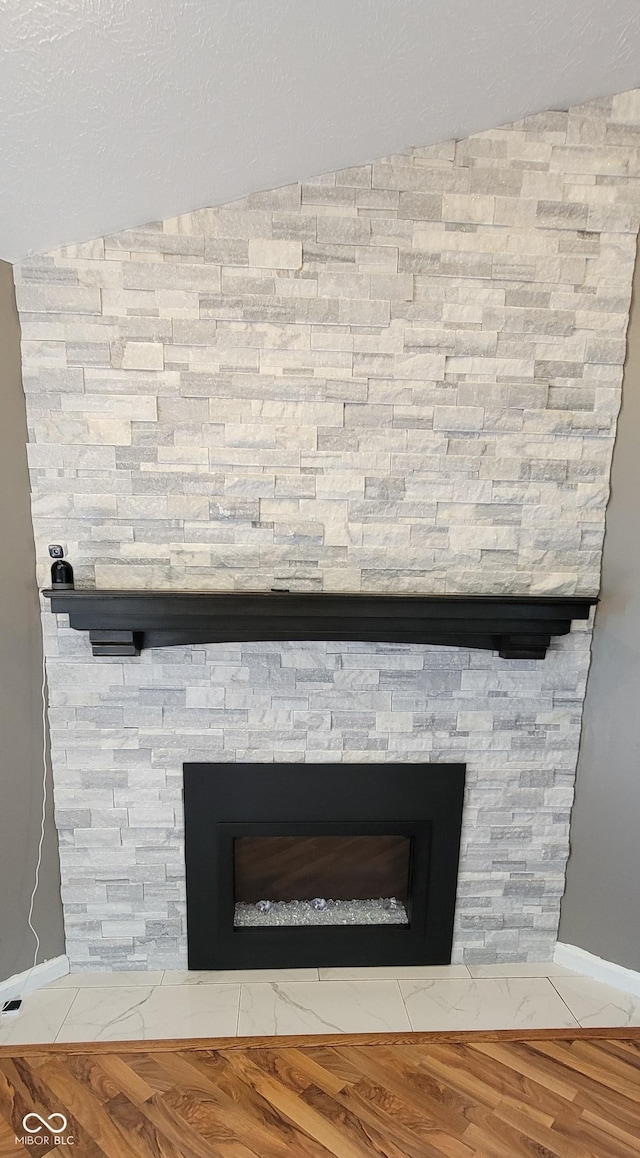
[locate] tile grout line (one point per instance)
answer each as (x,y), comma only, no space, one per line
(240,987)
(404,1006)
(64,1019)
(576,1019)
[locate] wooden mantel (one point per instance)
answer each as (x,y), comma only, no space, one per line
(125,622)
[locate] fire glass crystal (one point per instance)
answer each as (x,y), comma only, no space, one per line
(318,903)
(375,911)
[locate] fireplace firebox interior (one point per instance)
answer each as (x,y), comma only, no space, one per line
(307,880)
(321,865)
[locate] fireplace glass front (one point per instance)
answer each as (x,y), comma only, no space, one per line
(321,880)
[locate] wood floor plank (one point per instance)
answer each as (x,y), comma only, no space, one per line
(518,1088)
(552,1095)
(607,1062)
(318,1073)
(529,1126)
(418,1126)
(204,1116)
(12,1106)
(36,1095)
(598,1138)
(417,1136)
(251,1116)
(8,1145)
(374,1137)
(149,1070)
(493,1139)
(165,1118)
(606,1131)
(561,1052)
(303,1116)
(230,1112)
(88,1111)
(90,1072)
(611,1106)
(445,1107)
(497,1109)
(146,1134)
(32,1094)
(235,1150)
(280,1065)
(468,1081)
(441,1107)
(333,1059)
(126,1080)
(531,1067)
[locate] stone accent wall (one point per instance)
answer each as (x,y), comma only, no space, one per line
(403,376)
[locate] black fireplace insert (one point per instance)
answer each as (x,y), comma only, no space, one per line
(292,865)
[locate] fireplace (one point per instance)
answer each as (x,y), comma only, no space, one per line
(293,865)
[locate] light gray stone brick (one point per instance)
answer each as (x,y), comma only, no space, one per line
(270,254)
(162,276)
(51,298)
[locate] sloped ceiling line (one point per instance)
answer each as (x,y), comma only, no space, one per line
(114,114)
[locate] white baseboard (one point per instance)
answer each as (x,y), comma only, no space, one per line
(597,968)
(22,983)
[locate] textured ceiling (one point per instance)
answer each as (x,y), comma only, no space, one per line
(118,112)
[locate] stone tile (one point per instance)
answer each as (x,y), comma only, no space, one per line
(520,969)
(331,1007)
(142,356)
(141,1014)
(267,253)
(228,976)
(102,980)
(395,973)
(51,298)
(594,1004)
(40,1018)
(509,1003)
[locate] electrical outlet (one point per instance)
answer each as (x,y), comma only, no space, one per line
(12,1008)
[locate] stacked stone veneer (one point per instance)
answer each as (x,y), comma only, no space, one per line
(400,377)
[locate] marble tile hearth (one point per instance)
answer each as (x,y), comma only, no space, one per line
(129,1006)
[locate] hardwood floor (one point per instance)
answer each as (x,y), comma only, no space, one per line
(570,1094)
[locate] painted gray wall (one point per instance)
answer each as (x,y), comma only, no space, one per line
(20,684)
(601,906)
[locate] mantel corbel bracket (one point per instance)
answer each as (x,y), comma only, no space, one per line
(524,646)
(115,642)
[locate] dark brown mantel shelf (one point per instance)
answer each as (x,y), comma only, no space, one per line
(126,622)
